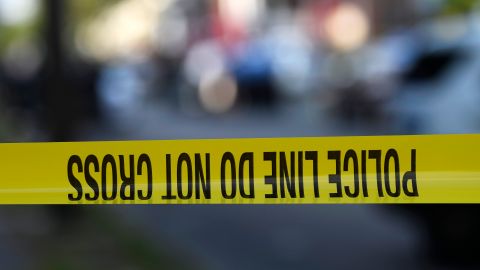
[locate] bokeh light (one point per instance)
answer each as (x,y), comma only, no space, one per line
(217,92)
(347,26)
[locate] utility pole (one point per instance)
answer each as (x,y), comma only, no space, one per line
(56,97)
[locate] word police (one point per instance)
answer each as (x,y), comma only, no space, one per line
(296,174)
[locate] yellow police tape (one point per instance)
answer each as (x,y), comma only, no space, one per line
(376,169)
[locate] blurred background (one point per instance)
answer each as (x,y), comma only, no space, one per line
(175,69)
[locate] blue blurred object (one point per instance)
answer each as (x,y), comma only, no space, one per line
(252,67)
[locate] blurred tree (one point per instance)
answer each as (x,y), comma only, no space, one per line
(454,7)
(28,29)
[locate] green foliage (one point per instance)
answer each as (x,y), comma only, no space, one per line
(455,7)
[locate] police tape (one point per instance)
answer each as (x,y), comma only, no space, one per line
(364,169)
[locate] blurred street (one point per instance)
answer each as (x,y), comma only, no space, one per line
(286,237)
